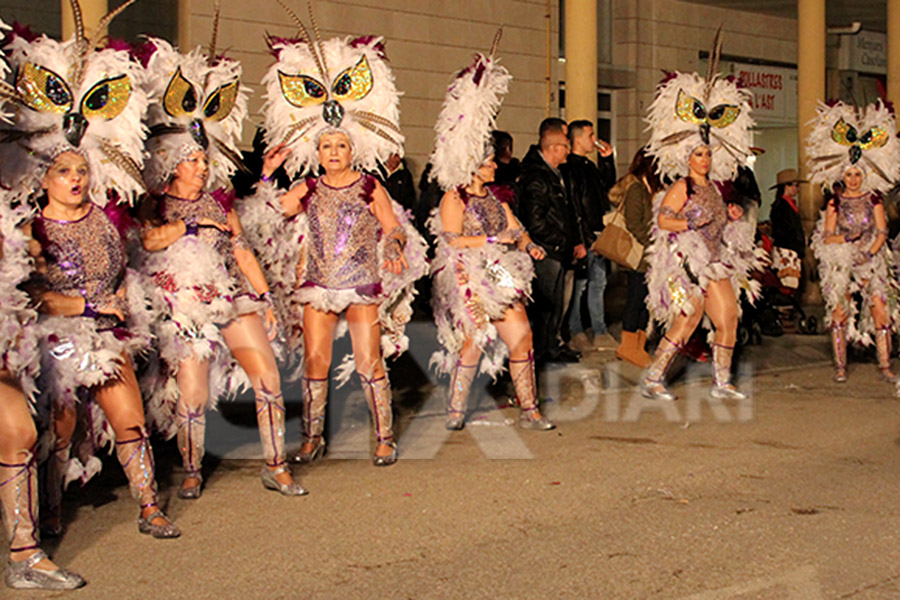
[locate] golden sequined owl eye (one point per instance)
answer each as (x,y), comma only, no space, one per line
(43,90)
(723,115)
(876,137)
(354,83)
(844,133)
(181,97)
(107,99)
(219,104)
(302,90)
(690,109)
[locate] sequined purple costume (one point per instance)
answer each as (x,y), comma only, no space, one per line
(342,252)
(475,286)
(847,268)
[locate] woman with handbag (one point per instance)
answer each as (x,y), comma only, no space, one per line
(641,184)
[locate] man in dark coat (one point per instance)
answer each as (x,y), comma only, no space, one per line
(587,186)
(545,213)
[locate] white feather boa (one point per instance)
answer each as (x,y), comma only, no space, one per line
(841,278)
(672,256)
(472,287)
(19,337)
(281,248)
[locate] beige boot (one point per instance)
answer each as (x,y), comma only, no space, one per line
(632,350)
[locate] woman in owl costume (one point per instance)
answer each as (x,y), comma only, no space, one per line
(854,152)
(482,267)
(28,566)
(74,149)
(702,249)
(209,292)
(336,244)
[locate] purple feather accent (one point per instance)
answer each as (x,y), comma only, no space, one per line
(503,193)
(20,30)
(225,198)
(275,40)
(118,215)
(367,188)
(311,183)
(479,73)
(143,52)
(667,77)
(365,40)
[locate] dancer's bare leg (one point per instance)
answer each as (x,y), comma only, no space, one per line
(365,336)
(883,336)
(121,401)
(249,344)
(839,343)
(190,415)
(460,384)
(683,326)
(318,337)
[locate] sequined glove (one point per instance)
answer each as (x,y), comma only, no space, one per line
(696,218)
(395,245)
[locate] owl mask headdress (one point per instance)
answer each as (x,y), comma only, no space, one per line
(844,136)
(690,111)
(198,104)
(342,84)
(74,96)
(467,118)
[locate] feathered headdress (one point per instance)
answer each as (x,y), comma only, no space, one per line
(844,136)
(74,96)
(469,115)
(198,104)
(340,83)
(690,111)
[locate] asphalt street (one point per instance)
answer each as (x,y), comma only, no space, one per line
(792,495)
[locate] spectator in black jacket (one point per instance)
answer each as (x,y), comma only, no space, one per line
(545,213)
(587,186)
(398,181)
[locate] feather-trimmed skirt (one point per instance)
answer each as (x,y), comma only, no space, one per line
(19,337)
(842,276)
(680,266)
(192,295)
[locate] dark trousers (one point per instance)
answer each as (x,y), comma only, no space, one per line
(636,315)
(547,310)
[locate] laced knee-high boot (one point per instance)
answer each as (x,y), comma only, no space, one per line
(883,345)
(192,445)
(722,388)
(19,499)
(378,396)
(839,348)
(54,479)
(652,385)
(270,418)
(460,385)
(522,373)
(136,457)
(315,396)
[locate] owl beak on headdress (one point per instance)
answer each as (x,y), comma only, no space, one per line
(333,113)
(704,133)
(198,132)
(74,127)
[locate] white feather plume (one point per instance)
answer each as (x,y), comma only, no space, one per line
(467,118)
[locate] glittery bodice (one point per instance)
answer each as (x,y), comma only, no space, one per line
(205,207)
(84,257)
(484,215)
(856,218)
(343,237)
(706,204)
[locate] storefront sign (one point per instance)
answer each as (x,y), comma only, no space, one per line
(773,92)
(865,52)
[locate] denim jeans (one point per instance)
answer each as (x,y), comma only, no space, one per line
(595,283)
